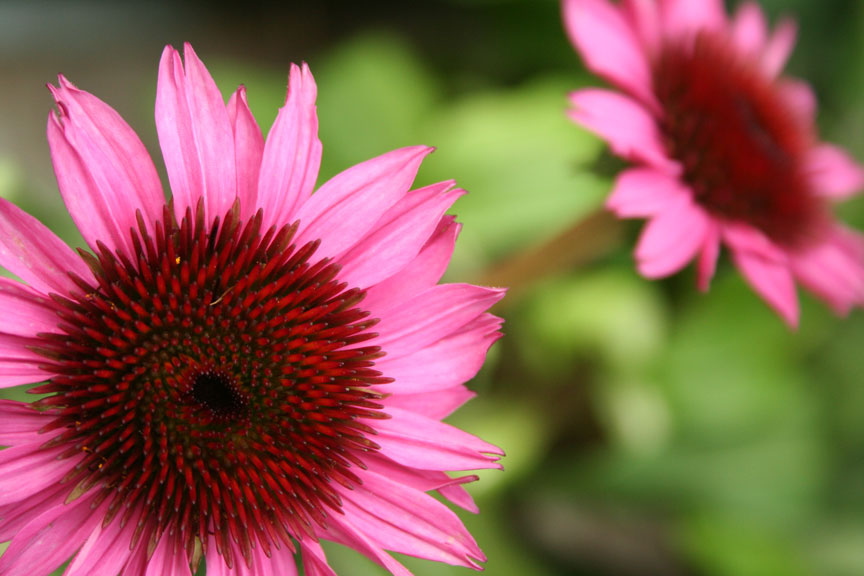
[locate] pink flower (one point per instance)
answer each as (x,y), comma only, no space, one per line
(726,149)
(245,371)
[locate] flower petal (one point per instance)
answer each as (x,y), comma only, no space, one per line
(708,257)
(19,364)
(26,469)
(20,423)
(437,405)
(833,173)
(398,236)
(749,29)
(103,170)
(671,239)
(292,154)
(168,559)
(195,135)
(779,47)
(314,560)
(643,192)
(627,126)
(32,252)
(800,98)
(248,150)
(25,311)
(425,480)
(342,531)
(834,269)
(683,18)
(609,45)
(348,205)
(106,550)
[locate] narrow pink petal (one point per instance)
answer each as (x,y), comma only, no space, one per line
(643,193)
(425,480)
(449,362)
(773,281)
(25,311)
(422,273)
(683,18)
(436,405)
(26,469)
(432,315)
(20,423)
(834,269)
(708,257)
(833,172)
(169,559)
(32,252)
(342,531)
(409,521)
(609,45)
(671,239)
(50,539)
(627,126)
(348,205)
(106,550)
(292,154)
(779,47)
(644,18)
(280,563)
(398,236)
(195,135)
(19,364)
(749,29)
(17,515)
(103,170)
(414,440)
(248,150)
(799,97)
(314,559)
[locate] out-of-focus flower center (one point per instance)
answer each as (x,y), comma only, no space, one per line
(215,380)
(740,144)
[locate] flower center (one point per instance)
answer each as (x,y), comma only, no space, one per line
(213,382)
(739,143)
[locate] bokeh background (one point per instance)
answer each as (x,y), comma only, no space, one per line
(649,428)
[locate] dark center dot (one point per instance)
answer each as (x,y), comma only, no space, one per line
(218,393)
(741,146)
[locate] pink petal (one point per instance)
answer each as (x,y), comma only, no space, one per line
(342,531)
(779,47)
(169,559)
(425,480)
(749,29)
(766,268)
(195,135)
(50,539)
(671,239)
(644,19)
(708,257)
(103,170)
(800,98)
(292,154)
(432,315)
(106,550)
(449,362)
(280,563)
(417,441)
(347,206)
(25,311)
(248,150)
(436,405)
(643,192)
(32,252)
(20,423)
(18,514)
(398,236)
(683,18)
(609,45)
(833,172)
(422,273)
(314,560)
(627,126)
(19,364)
(26,469)
(834,269)
(409,521)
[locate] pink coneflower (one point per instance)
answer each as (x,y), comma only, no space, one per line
(726,148)
(245,371)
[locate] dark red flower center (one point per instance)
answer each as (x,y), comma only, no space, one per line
(213,384)
(740,145)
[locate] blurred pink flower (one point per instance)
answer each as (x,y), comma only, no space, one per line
(726,148)
(245,371)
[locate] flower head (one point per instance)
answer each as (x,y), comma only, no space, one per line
(243,371)
(726,148)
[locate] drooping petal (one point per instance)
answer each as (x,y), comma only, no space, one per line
(834,269)
(409,521)
(292,154)
(833,173)
(671,239)
(106,550)
(432,315)
(25,311)
(280,563)
(32,252)
(342,531)
(437,405)
(14,516)
(422,273)
(248,150)
(630,130)
(348,205)
(195,134)
(708,257)
(26,469)
(398,236)
(779,47)
(643,193)
(426,480)
(314,559)
(609,45)
(426,443)
(20,423)
(19,364)
(168,559)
